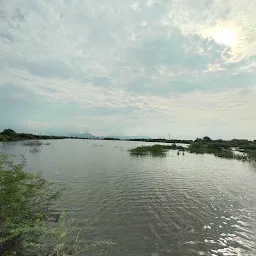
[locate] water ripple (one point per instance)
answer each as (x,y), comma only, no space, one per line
(178,205)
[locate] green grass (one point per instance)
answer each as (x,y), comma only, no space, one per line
(214,149)
(155,150)
(195,148)
(223,152)
(5,138)
(251,155)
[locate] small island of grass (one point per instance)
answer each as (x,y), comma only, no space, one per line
(196,148)
(155,150)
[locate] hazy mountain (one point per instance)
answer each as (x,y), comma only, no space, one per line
(90,136)
(86,135)
(127,137)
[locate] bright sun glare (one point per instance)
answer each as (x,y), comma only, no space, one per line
(227,36)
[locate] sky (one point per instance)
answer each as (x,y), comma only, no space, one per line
(139,68)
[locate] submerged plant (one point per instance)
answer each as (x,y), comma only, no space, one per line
(33,143)
(155,150)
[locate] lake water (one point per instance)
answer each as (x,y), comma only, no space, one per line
(176,205)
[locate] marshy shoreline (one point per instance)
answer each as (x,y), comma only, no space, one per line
(221,148)
(217,149)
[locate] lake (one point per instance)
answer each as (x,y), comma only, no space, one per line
(175,205)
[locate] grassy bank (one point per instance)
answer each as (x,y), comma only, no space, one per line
(196,148)
(240,144)
(224,149)
(155,150)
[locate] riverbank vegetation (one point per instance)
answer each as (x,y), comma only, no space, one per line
(30,221)
(225,149)
(239,144)
(11,135)
(214,149)
(155,150)
(198,147)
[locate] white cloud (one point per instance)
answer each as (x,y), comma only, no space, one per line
(201,18)
(135,6)
(156,56)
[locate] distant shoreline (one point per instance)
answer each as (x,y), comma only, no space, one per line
(11,135)
(221,148)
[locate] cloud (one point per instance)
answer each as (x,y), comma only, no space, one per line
(128,67)
(178,51)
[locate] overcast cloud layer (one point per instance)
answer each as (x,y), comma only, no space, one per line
(129,67)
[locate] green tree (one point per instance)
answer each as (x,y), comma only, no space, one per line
(207,139)
(8,132)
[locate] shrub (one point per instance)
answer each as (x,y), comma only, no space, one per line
(225,154)
(25,204)
(29,224)
(8,132)
(251,155)
(155,150)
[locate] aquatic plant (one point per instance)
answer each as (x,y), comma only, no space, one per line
(155,150)
(224,153)
(33,143)
(196,148)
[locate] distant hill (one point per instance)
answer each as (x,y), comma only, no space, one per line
(127,137)
(86,135)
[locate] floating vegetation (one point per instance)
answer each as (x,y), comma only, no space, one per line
(35,146)
(155,150)
(214,149)
(33,143)
(35,150)
(196,148)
